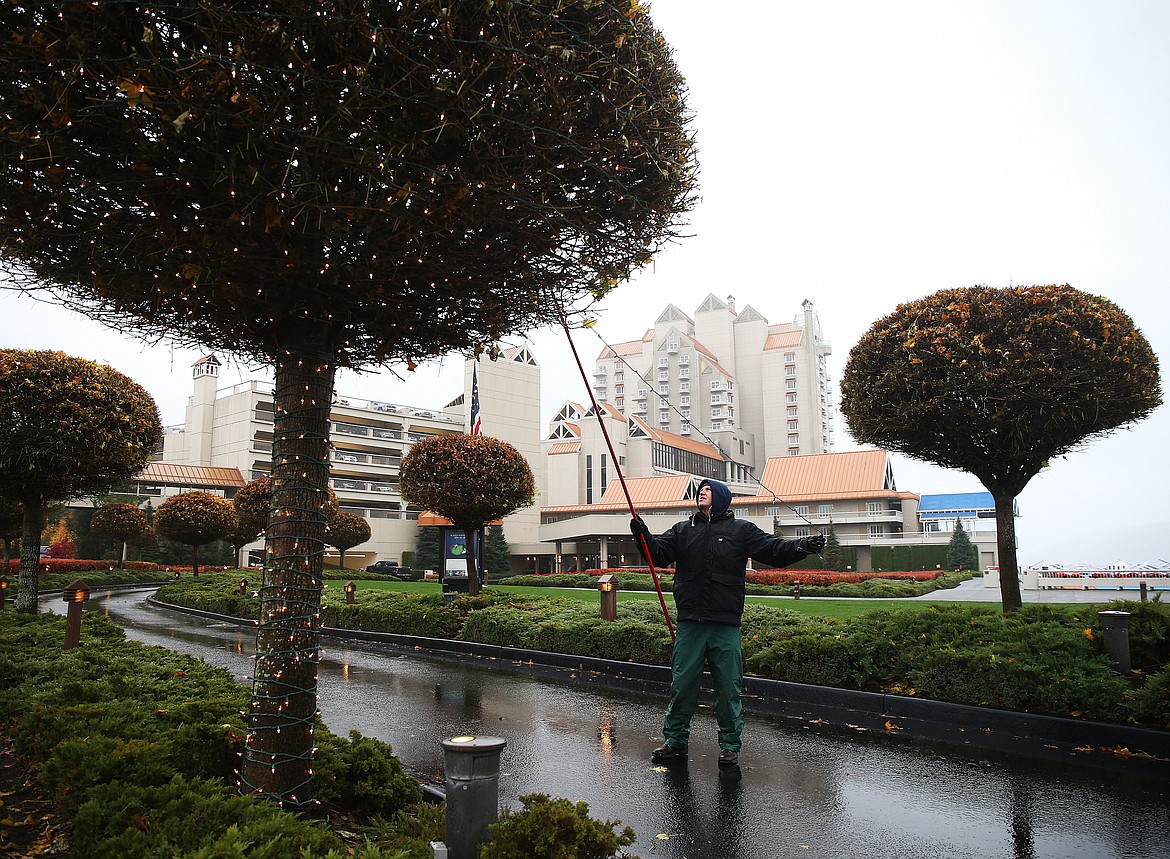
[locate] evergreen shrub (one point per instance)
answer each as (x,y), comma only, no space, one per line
(553,829)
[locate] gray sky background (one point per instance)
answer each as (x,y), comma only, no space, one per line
(862,154)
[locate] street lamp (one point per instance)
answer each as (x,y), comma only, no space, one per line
(607,585)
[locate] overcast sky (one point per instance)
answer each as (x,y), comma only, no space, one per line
(861,154)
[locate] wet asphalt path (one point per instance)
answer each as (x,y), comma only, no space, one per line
(802,790)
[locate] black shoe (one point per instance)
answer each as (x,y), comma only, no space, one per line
(728,758)
(668,753)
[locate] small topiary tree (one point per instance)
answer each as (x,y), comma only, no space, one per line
(72,429)
(195,518)
(252,504)
(346,530)
(124,522)
(962,554)
(471,480)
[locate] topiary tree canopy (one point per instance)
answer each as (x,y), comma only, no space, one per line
(71,428)
(472,480)
(316,186)
(997,382)
(195,518)
(126,523)
(346,530)
(252,503)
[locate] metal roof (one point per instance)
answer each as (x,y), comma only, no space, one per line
(955,504)
(199,476)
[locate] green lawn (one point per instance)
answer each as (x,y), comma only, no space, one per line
(836,608)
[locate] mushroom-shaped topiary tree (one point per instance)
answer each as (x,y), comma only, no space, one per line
(997,382)
(373,183)
(72,428)
(195,518)
(472,480)
(124,522)
(346,530)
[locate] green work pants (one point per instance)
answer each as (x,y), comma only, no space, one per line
(718,646)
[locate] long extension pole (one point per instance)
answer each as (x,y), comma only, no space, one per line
(621,477)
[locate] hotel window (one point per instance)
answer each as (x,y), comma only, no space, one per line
(619,389)
(620,402)
(800,509)
(877,530)
(790,370)
(684,387)
(791,398)
(684,372)
(663,361)
(794,451)
(875,508)
(664,375)
(794,425)
(664,389)
(824,509)
(619,377)
(789,357)
(686,413)
(684,401)
(792,411)
(802,531)
(790,384)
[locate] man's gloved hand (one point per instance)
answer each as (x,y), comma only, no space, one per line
(642,538)
(811,545)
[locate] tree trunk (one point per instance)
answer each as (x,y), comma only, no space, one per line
(194,560)
(472,562)
(278,754)
(341,552)
(30,557)
(1009,570)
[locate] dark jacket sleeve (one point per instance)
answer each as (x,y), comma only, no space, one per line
(771,550)
(664,547)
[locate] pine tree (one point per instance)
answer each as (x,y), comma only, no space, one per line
(961,552)
(428,549)
(496,552)
(833,555)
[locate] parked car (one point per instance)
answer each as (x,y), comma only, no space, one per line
(393,568)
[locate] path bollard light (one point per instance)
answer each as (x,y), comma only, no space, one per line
(1115,626)
(76,595)
(3,591)
(472,767)
(796,590)
(243,587)
(177,574)
(350,587)
(608,588)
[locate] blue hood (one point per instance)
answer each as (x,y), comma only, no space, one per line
(720,496)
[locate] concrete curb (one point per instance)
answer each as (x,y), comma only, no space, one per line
(1096,744)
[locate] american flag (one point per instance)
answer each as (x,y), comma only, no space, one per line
(476,423)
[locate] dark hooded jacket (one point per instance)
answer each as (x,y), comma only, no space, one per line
(710,555)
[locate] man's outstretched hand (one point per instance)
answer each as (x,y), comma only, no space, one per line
(811,545)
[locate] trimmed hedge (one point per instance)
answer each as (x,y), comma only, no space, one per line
(139,745)
(1043,659)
